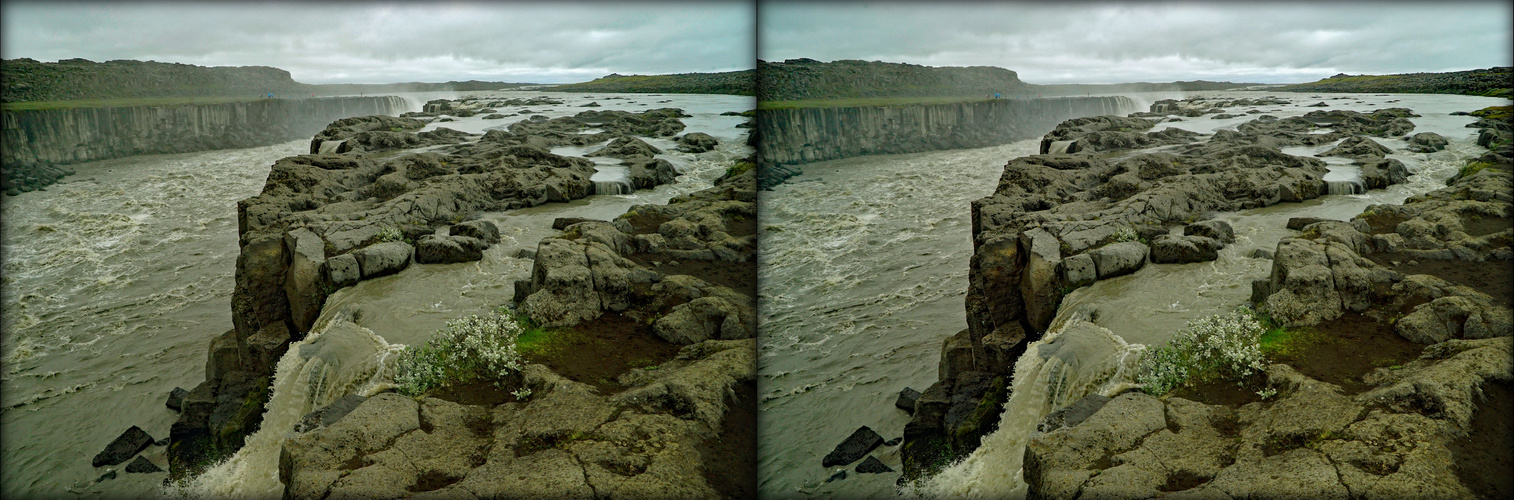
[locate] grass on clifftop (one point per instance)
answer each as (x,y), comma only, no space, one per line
(857,102)
(123,103)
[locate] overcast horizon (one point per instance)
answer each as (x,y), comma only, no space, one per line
(1055,43)
(393,43)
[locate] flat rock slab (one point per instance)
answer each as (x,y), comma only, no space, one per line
(131,442)
(856,446)
(562,223)
(872,466)
(142,466)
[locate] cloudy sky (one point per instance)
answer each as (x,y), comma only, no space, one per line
(1080,42)
(362,42)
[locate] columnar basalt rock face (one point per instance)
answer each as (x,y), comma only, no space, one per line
(1411,430)
(324,221)
(38,138)
(806,135)
(1059,221)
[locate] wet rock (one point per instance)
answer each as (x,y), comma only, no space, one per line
(108,475)
(1073,414)
(433,249)
(1427,142)
(872,466)
(647,173)
(129,443)
(304,284)
(330,414)
(562,223)
(839,475)
(482,230)
(176,398)
(343,270)
(906,400)
(1260,253)
(859,444)
(142,466)
(1358,147)
(383,259)
(1118,259)
(1079,270)
(894,441)
(1216,229)
(956,356)
(627,147)
(1298,223)
(1041,285)
(266,347)
(696,142)
(1170,249)
(702,319)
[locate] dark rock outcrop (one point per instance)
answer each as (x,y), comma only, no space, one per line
(872,466)
(142,466)
(858,445)
(327,221)
(128,444)
(1059,221)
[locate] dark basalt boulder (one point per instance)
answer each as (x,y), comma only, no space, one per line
(1358,147)
(627,147)
(333,412)
(434,249)
(1298,223)
(872,466)
(176,398)
(1217,229)
(1427,142)
(481,229)
(1169,249)
(142,466)
(562,223)
(128,444)
(696,142)
(856,446)
(906,401)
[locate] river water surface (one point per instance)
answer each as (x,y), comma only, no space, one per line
(864,269)
(116,280)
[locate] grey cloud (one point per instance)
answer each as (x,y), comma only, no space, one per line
(1090,42)
(362,42)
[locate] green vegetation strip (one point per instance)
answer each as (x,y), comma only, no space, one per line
(857,102)
(123,103)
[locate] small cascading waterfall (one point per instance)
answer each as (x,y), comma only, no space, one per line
(337,358)
(1057,147)
(1075,358)
(1345,187)
(1344,179)
(612,180)
(329,147)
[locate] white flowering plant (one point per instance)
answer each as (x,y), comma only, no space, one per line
(1219,347)
(467,350)
(390,233)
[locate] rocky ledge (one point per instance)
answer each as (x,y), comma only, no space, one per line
(1434,271)
(325,221)
(1060,221)
(682,428)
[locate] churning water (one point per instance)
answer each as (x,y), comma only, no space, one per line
(116,280)
(864,266)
